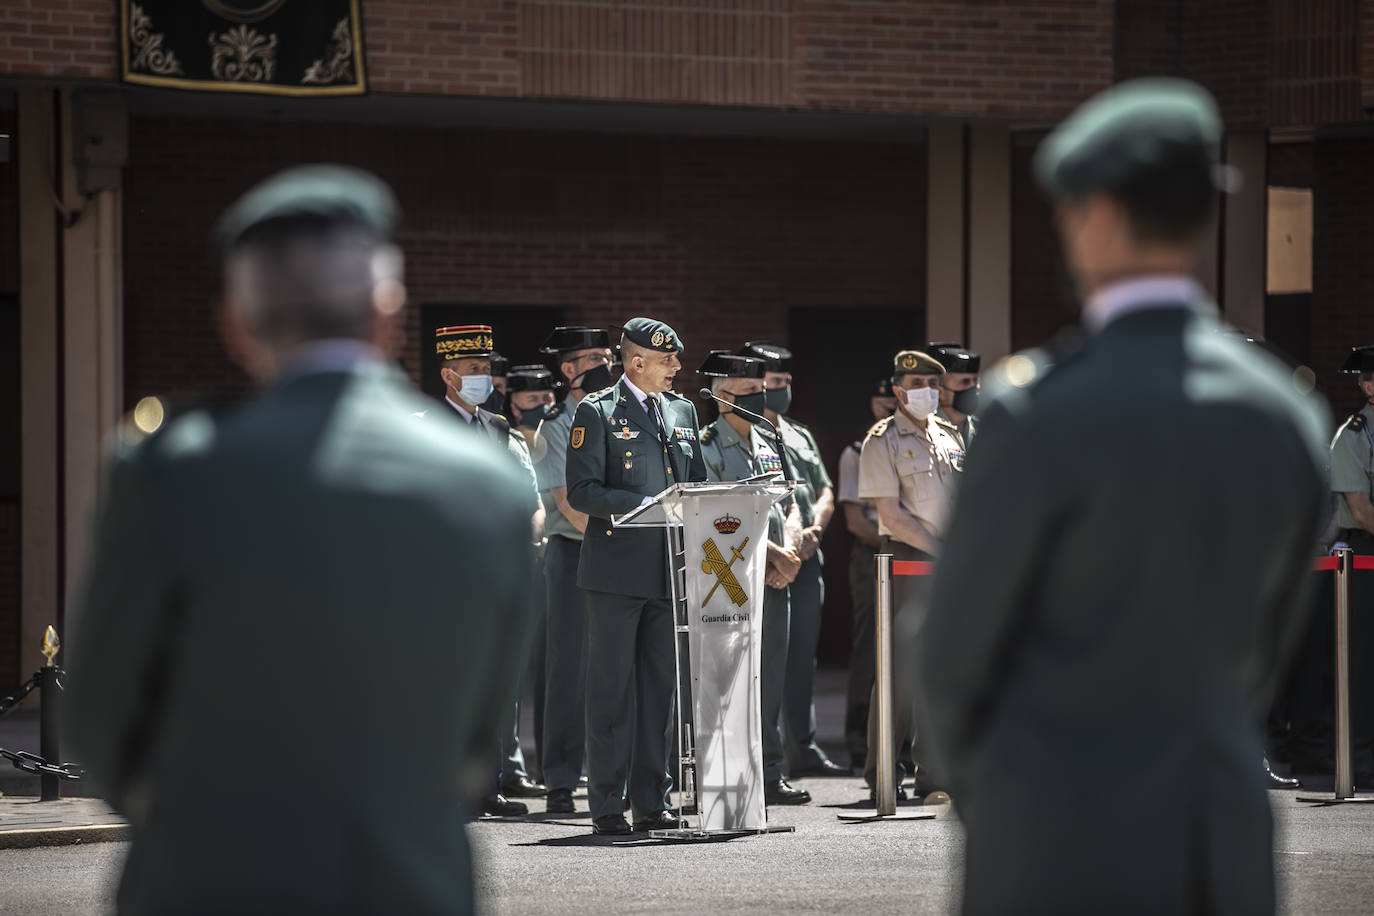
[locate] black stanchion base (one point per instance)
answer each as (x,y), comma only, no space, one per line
(1334,800)
(690,833)
(909,814)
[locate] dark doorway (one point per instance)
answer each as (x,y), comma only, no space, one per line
(519,330)
(838,353)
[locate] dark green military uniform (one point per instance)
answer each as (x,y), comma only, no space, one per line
(1124,570)
(295,546)
(618,455)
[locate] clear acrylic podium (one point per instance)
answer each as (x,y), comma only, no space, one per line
(717,535)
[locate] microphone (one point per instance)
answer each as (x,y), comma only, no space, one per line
(777,436)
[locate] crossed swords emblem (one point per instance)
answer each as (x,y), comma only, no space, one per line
(715,563)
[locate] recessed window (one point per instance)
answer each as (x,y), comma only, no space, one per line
(1290,241)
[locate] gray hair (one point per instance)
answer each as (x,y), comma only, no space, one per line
(313,285)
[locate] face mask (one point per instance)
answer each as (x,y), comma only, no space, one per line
(594,379)
(921,402)
(778,399)
(754,403)
(966,401)
(477,389)
(530,418)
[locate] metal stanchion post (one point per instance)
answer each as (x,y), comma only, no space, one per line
(50,695)
(1345,776)
(885,792)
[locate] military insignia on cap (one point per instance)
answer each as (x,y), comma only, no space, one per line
(908,361)
(463,341)
(657,338)
(579,434)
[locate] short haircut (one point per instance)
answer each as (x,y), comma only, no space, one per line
(629,349)
(1169,205)
(304,279)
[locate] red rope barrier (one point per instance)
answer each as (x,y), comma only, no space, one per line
(1327,564)
(912,568)
(1364,562)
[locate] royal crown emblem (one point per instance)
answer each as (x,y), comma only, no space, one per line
(727,524)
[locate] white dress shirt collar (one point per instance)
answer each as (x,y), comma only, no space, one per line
(634,389)
(1137,293)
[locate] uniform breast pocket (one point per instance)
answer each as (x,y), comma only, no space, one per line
(686,450)
(918,474)
(634,468)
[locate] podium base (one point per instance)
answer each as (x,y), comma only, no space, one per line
(689,833)
(903,815)
(1333,800)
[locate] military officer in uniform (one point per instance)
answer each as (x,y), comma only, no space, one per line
(582,356)
(627,444)
(861,519)
(319,509)
(815,497)
(465,354)
(959,389)
(734,449)
(1352,480)
(529,396)
(907,468)
(1129,555)
(500,370)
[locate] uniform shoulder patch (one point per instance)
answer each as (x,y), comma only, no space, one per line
(579,435)
(943,422)
(708,435)
(1357,422)
(877,429)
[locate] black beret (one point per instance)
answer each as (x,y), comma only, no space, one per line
(565,340)
(882,388)
(652,334)
(1136,129)
(954,357)
(499,364)
(331,195)
(775,358)
(724,364)
(529,378)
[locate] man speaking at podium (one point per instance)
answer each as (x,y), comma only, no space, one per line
(628,443)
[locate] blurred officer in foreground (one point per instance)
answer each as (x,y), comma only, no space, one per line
(466,359)
(907,468)
(583,356)
(294,545)
(628,443)
(1126,565)
(815,497)
(1352,480)
(734,449)
(861,518)
(959,390)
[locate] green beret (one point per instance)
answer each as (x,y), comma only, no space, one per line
(652,334)
(1136,129)
(914,362)
(321,194)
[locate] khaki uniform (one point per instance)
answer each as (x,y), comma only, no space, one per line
(918,462)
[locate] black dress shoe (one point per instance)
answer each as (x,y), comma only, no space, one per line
(778,792)
(873,794)
(610,825)
(825,767)
(1275,781)
(500,806)
(663,820)
(524,787)
(560,801)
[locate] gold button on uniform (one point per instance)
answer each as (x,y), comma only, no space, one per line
(608,534)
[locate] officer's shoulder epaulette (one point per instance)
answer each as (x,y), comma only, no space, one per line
(877,429)
(674,396)
(599,395)
(556,410)
(708,435)
(943,422)
(1357,422)
(801,426)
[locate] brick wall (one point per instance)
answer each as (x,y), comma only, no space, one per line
(1314,62)
(1367,53)
(1342,270)
(1031,58)
(717,237)
(1042,300)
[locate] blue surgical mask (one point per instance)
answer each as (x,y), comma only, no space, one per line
(476,389)
(779,400)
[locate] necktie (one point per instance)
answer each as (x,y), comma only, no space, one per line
(651,408)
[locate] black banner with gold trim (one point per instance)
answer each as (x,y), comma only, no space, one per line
(276,47)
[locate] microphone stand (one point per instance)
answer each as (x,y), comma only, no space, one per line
(777,436)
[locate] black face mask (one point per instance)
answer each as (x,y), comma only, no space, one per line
(496,403)
(754,403)
(530,418)
(966,401)
(594,379)
(778,400)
